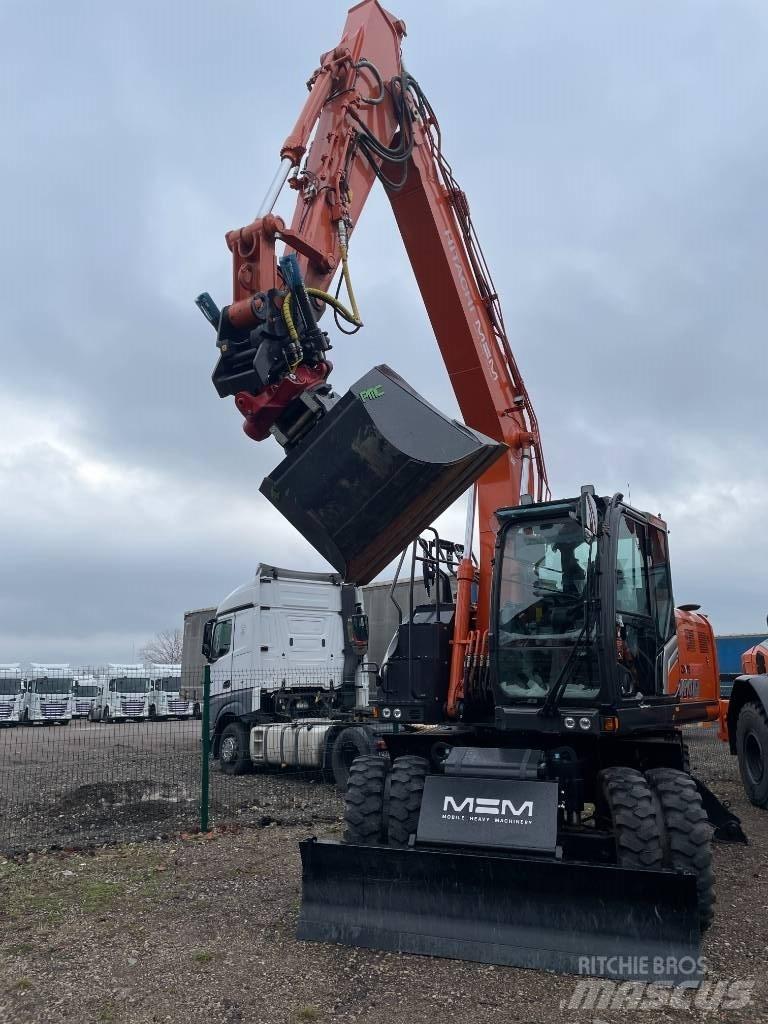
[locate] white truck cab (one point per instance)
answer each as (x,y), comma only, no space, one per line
(283,647)
(48,696)
(165,699)
(123,694)
(86,690)
(11,693)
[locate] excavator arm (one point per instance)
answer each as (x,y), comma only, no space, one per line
(366,117)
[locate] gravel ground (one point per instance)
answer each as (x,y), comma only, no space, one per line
(87,784)
(158,932)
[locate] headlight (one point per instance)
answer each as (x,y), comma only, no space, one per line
(585,723)
(397,713)
(569,722)
(385,713)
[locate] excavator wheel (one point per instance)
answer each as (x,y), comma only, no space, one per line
(626,801)
(405,792)
(752,750)
(364,801)
(687,840)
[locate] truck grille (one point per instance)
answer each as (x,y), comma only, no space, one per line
(82,707)
(178,707)
(133,707)
(57,710)
(6,710)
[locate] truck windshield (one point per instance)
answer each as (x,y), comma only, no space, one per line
(9,687)
(63,685)
(542,612)
(168,685)
(86,690)
(125,685)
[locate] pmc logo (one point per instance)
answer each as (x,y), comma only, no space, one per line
(484,805)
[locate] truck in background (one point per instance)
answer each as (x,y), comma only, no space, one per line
(11,694)
(165,700)
(85,689)
(287,676)
(730,648)
(192,660)
(48,696)
(123,695)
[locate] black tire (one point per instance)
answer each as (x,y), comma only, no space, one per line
(152,712)
(197,711)
(65,721)
(351,743)
(406,788)
(686,759)
(105,715)
(687,838)
(626,803)
(364,801)
(234,755)
(25,717)
(94,715)
(752,752)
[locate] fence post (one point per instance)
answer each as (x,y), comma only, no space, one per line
(206,750)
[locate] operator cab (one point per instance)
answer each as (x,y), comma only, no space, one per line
(584,613)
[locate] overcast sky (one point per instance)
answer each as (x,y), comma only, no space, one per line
(614,155)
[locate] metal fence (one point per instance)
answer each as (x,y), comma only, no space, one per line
(68,778)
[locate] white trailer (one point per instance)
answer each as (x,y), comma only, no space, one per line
(48,696)
(11,693)
(86,689)
(123,694)
(287,679)
(165,699)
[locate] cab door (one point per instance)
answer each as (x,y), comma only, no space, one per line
(221,655)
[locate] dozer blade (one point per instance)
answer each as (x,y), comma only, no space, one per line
(374,471)
(577,918)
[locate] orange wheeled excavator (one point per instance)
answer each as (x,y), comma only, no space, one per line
(744,722)
(535,807)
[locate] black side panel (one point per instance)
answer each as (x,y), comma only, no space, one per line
(578,918)
(375,470)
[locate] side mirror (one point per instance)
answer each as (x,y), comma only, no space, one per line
(588,512)
(358,631)
(207,636)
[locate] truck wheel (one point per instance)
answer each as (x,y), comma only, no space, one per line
(687,842)
(152,713)
(234,756)
(94,715)
(25,717)
(105,715)
(364,801)
(196,711)
(752,751)
(406,787)
(626,803)
(351,743)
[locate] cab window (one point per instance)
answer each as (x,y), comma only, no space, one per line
(631,574)
(222,639)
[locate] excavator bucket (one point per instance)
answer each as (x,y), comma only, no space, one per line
(578,918)
(374,471)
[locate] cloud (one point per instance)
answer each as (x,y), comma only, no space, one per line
(614,160)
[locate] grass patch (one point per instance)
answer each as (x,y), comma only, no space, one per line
(23,984)
(307,1013)
(107,1013)
(19,949)
(202,956)
(96,896)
